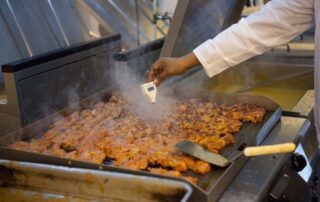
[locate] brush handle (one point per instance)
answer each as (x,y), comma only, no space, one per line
(269,149)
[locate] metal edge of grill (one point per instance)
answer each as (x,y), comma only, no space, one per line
(34,180)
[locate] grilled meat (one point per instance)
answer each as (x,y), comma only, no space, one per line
(110,130)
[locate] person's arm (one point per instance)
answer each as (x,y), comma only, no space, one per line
(165,67)
(277,23)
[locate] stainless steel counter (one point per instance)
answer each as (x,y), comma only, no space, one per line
(256,178)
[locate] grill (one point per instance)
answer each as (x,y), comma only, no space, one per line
(210,186)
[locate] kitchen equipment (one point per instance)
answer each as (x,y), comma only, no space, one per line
(23,181)
(210,185)
(149,90)
(67,75)
(198,151)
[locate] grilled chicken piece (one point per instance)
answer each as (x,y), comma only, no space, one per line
(137,162)
(213,143)
(245,113)
(167,160)
(196,166)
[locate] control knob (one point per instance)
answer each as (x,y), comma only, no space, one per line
(298,162)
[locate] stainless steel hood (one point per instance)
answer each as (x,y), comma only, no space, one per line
(196,21)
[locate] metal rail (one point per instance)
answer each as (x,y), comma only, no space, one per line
(58,22)
(27,45)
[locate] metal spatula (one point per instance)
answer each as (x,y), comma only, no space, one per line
(203,154)
(199,152)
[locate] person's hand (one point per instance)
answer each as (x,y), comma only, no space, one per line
(166,67)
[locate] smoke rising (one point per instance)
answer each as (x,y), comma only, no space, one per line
(128,84)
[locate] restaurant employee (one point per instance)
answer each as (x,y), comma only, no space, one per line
(275,24)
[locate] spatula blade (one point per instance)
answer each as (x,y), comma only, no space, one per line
(199,152)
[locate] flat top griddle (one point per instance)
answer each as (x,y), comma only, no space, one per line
(210,186)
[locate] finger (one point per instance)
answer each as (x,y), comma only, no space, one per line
(153,71)
(162,76)
(156,69)
(151,74)
(156,81)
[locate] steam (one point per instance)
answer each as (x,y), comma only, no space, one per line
(128,83)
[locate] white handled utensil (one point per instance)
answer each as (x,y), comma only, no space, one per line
(149,90)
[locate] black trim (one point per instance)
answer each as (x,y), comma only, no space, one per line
(57,53)
(146,48)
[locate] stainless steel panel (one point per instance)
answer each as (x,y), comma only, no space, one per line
(35,28)
(66,20)
(31,181)
(12,96)
(32,27)
(256,177)
(13,46)
(305,108)
(110,15)
(50,65)
(136,62)
(196,21)
(8,51)
(46,93)
(133,19)
(41,85)
(8,123)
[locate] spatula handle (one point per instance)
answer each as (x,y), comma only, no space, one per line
(269,149)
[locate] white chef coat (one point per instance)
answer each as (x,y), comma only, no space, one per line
(275,24)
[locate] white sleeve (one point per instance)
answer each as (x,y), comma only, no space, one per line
(275,24)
